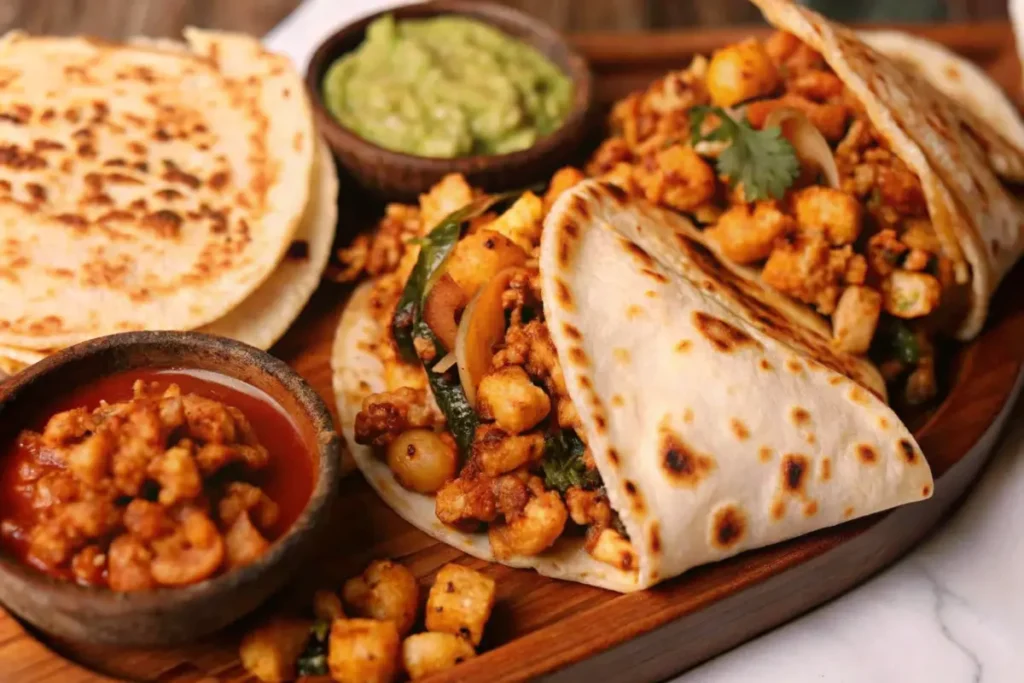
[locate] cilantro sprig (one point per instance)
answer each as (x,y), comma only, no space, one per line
(762,160)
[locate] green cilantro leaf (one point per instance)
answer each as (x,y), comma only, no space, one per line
(763,161)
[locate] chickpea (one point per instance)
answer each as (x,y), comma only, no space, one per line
(741,72)
(386,591)
(422,460)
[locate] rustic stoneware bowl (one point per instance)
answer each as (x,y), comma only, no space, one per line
(395,175)
(163,616)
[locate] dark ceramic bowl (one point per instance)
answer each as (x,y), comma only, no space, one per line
(395,175)
(79,613)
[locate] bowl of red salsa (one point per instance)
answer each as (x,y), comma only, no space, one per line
(156,486)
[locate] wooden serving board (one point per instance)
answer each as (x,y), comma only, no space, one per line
(567,631)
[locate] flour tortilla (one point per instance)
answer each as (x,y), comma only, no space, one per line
(968,87)
(149,188)
(700,399)
(263,317)
(975,217)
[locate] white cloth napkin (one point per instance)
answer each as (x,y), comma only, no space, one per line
(302,31)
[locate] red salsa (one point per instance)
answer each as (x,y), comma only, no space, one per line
(152,478)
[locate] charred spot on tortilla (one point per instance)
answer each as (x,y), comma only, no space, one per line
(810,438)
(684,466)
(926,491)
(651,294)
(600,424)
(825,469)
(578,356)
(858,395)
(613,457)
(799,416)
(728,526)
(613,191)
(836,380)
(655,538)
(867,454)
(563,295)
(572,331)
(633,312)
(723,336)
(778,510)
(794,366)
(739,429)
(765,365)
(683,346)
(636,498)
(580,207)
(907,450)
(618,401)
(688,415)
(848,512)
(585,383)
(764,453)
(641,256)
(621,355)
(794,472)
(655,275)
(810,508)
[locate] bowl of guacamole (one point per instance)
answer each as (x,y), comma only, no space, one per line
(484,90)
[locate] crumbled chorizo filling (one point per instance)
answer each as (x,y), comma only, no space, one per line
(861,253)
(525,472)
(140,494)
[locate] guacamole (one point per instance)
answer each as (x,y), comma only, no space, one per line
(446,87)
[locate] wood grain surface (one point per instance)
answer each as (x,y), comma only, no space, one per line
(122,18)
(580,633)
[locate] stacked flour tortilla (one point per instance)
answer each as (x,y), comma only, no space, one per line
(156,186)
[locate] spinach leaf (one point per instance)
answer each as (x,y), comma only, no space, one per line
(563,463)
(435,249)
(313,660)
(451,399)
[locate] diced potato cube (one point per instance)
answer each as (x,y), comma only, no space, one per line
(828,211)
(521,222)
(514,402)
(363,651)
(499,452)
(855,319)
(270,651)
(745,236)
(614,549)
(387,591)
(460,602)
(428,653)
(911,295)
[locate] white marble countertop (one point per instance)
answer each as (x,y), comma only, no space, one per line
(950,612)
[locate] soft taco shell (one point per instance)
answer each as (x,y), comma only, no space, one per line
(144,188)
(953,154)
(718,422)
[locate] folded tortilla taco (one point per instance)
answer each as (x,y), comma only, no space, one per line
(604,416)
(861,177)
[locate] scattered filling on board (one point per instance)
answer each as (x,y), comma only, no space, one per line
(368,639)
(162,489)
(446,87)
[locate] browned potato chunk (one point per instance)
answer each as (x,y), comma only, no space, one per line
(679,179)
(532,532)
(478,257)
(741,72)
(612,548)
(498,451)
(509,398)
(564,179)
(910,295)
(450,194)
(460,602)
(521,222)
(746,236)
(855,319)
(363,651)
(270,651)
(427,653)
(386,591)
(327,606)
(833,213)
(422,460)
